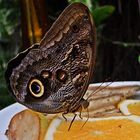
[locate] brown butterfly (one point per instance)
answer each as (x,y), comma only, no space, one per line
(53,76)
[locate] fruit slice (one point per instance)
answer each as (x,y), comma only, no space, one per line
(112,128)
(27,125)
(129,107)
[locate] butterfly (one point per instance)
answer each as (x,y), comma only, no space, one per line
(53,75)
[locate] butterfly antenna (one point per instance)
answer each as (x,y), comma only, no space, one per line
(101,84)
(105,86)
(99,89)
(86,119)
(72,121)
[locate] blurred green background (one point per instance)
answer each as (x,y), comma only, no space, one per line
(118,37)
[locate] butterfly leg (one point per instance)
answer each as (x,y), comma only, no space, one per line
(86,119)
(72,121)
(63,115)
(80,112)
(85,105)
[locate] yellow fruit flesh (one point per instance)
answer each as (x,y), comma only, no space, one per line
(43,126)
(134,108)
(121,129)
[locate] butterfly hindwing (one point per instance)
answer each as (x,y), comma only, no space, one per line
(54,76)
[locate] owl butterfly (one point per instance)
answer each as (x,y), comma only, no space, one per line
(53,76)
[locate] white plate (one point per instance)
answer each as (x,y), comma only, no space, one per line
(7,113)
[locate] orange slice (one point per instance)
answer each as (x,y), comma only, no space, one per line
(130,107)
(134,108)
(113,128)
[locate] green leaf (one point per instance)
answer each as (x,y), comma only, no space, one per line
(102,13)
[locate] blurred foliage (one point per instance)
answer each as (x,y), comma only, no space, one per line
(9,17)
(9,42)
(102,13)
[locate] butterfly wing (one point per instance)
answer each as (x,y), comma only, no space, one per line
(55,75)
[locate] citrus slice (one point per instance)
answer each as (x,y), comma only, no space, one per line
(112,128)
(130,107)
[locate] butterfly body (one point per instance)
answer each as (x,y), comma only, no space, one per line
(53,76)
